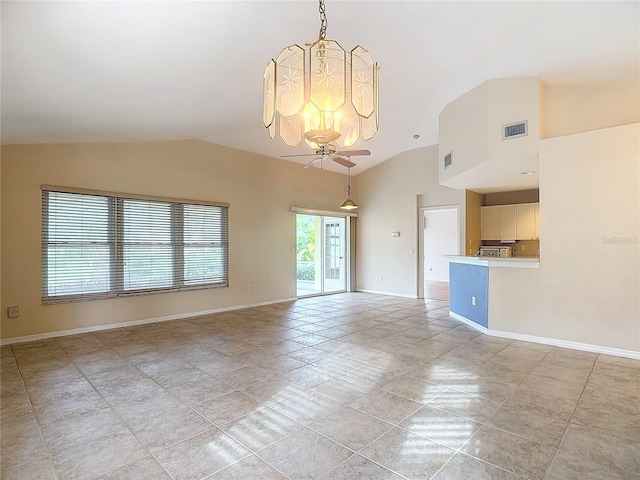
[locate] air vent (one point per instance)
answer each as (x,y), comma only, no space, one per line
(513,130)
(448,159)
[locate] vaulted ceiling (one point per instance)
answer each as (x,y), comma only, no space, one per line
(145,71)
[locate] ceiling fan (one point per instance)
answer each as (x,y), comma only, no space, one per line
(329,152)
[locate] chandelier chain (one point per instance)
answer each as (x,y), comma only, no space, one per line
(323,21)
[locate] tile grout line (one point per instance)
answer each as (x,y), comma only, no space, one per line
(125,424)
(332,346)
(566,430)
(35,417)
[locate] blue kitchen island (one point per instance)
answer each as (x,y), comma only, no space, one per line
(470,283)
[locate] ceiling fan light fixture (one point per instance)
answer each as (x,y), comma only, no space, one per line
(321,94)
(321,137)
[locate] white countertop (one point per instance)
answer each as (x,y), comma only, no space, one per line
(511,262)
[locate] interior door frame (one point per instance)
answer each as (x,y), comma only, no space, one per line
(421,212)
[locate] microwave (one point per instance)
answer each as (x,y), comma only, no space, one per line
(500,252)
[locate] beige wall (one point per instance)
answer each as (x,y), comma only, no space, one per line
(513,100)
(574,108)
(473,229)
(471,125)
(390,195)
(508,198)
(463,130)
(260,190)
(586,289)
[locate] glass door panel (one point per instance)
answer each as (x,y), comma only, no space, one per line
(334,254)
(308,259)
(320,255)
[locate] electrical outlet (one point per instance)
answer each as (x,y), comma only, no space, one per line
(523,247)
(473,300)
(13,311)
(251,286)
(381,278)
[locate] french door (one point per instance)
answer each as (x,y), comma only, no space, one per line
(321,254)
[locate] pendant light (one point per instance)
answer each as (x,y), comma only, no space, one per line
(349,204)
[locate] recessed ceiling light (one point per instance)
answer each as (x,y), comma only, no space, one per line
(416,136)
(528,172)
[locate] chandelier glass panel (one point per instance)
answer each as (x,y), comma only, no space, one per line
(321,94)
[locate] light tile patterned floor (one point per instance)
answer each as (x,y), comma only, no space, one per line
(349,386)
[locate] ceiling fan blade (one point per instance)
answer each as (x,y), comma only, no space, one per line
(300,155)
(343,161)
(313,162)
(353,153)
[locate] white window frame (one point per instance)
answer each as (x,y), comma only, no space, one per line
(116,245)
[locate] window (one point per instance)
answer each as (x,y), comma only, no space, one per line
(100,245)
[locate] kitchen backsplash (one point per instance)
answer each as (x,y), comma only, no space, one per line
(531,247)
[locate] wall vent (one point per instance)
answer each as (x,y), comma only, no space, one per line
(518,129)
(448,158)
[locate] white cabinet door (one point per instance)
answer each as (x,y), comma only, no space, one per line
(511,222)
(508,222)
(490,223)
(525,221)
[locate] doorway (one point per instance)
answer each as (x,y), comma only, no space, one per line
(321,254)
(439,236)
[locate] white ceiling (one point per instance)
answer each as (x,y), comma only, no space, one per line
(143,71)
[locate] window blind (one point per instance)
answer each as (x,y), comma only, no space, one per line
(104,246)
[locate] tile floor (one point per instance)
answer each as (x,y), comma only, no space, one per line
(349,386)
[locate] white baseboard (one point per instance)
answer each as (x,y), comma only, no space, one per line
(587,347)
(471,323)
(380,292)
(110,326)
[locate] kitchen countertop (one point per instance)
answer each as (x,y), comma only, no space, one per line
(510,262)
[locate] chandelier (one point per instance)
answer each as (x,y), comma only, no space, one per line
(321,94)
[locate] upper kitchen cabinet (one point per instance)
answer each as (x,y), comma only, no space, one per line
(526,221)
(489,136)
(510,222)
(490,223)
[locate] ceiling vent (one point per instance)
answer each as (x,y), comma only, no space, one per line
(513,130)
(448,159)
